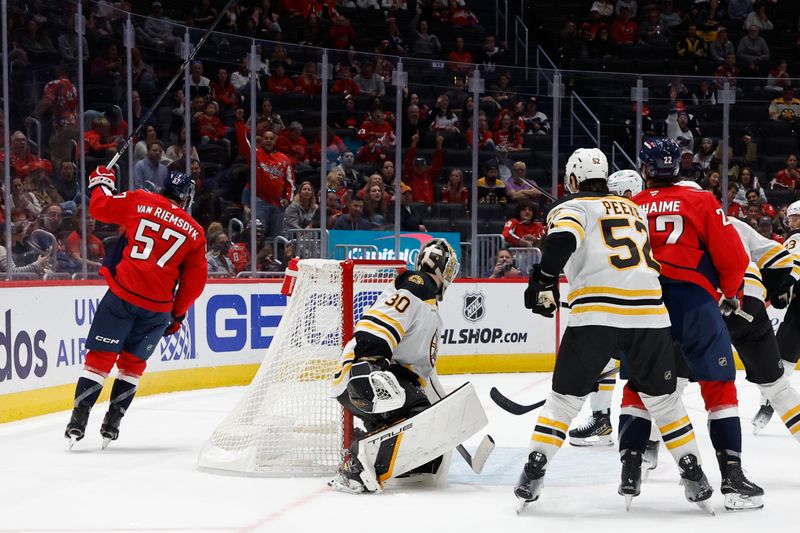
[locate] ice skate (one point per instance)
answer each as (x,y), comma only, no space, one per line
(762,417)
(348,477)
(631,483)
(110,428)
(650,457)
(594,432)
(695,484)
(530,480)
(76,428)
(740,493)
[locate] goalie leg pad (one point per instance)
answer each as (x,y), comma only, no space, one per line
(412,442)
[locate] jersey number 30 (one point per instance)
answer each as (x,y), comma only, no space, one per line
(145,243)
(636,254)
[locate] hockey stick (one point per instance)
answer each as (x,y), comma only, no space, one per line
(485,448)
(164,92)
(518,409)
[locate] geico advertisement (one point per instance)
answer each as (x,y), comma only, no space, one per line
(490,318)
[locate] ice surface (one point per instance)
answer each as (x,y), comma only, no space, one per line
(148,479)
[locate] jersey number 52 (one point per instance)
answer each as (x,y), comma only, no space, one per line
(634,251)
(145,243)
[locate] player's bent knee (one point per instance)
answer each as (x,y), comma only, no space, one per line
(718,394)
(100,362)
(131,365)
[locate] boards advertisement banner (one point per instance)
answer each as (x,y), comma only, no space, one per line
(384,242)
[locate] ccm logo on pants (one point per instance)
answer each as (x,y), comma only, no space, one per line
(106,340)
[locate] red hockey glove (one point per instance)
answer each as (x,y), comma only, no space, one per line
(102,176)
(174,326)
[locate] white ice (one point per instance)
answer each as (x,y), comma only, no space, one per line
(148,479)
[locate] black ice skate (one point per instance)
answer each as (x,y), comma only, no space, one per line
(695,484)
(740,493)
(530,481)
(631,482)
(594,432)
(762,417)
(348,477)
(76,428)
(110,428)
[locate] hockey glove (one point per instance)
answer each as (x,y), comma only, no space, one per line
(542,296)
(102,176)
(175,325)
(729,306)
(373,389)
(783,297)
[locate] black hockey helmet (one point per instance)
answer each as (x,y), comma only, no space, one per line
(179,187)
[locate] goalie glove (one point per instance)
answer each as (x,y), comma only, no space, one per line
(542,295)
(102,176)
(373,389)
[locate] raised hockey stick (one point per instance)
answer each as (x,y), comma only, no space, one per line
(164,92)
(518,409)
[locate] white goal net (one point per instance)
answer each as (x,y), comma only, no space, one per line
(285,423)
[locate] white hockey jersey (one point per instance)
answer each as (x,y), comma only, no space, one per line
(764,253)
(612,275)
(405,317)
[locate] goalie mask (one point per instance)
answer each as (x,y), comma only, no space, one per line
(585,164)
(623,181)
(437,257)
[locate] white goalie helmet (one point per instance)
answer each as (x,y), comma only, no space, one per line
(585,164)
(437,257)
(793,209)
(622,181)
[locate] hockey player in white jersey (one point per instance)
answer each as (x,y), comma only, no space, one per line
(387,370)
(597,430)
(788,335)
(601,242)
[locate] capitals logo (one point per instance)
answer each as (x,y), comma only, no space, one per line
(474,309)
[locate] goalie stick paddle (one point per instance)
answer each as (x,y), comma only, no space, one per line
(515,408)
(163,94)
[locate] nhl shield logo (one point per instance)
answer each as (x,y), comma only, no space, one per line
(474,309)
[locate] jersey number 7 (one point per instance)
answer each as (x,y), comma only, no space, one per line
(148,243)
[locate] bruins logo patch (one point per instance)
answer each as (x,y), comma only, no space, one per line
(416,279)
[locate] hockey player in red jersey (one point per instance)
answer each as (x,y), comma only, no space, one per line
(701,256)
(154,274)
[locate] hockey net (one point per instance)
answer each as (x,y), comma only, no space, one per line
(286,423)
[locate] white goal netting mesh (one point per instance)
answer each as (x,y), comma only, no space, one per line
(285,423)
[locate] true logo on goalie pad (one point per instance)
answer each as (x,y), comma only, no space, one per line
(474,309)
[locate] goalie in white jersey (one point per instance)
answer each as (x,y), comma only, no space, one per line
(387,371)
(601,242)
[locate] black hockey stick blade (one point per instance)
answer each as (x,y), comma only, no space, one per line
(518,409)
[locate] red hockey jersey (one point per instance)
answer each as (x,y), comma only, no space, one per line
(162,247)
(693,240)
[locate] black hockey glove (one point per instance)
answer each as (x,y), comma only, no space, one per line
(542,296)
(783,296)
(372,389)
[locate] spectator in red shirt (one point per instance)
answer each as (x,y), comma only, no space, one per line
(376,124)
(728,71)
(95,252)
(419,176)
(209,124)
(788,177)
(292,143)
(98,140)
(22,159)
(454,191)
(507,135)
(735,209)
(485,140)
(341,35)
(279,82)
(624,30)
(460,59)
(308,82)
(523,230)
(372,152)
(223,91)
(61,98)
(345,83)
(335,148)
